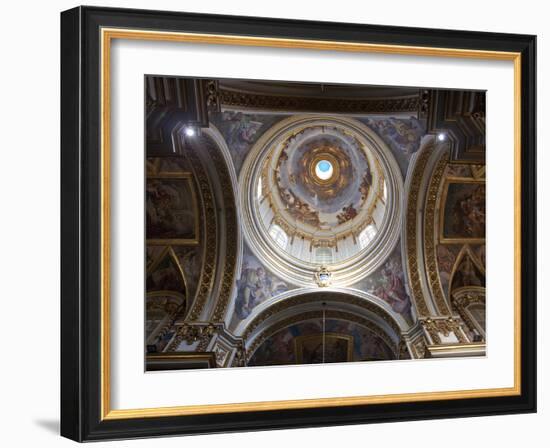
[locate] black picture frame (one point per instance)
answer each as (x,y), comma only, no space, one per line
(81,380)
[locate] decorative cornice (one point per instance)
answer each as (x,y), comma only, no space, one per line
(243,100)
(203,334)
(445,326)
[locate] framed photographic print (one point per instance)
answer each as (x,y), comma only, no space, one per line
(273,224)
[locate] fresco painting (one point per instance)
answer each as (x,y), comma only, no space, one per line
(303,343)
(464,212)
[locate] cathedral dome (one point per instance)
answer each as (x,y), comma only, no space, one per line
(319,193)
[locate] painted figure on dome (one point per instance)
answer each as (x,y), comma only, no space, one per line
(403,135)
(240,131)
(300,209)
(365,185)
(348,213)
(255,286)
(392,289)
(465,211)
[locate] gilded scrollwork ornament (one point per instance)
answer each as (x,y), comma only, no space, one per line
(446,326)
(191,333)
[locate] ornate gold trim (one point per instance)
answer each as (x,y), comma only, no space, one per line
(210,248)
(444,325)
(411,229)
(306,44)
(430,255)
(173,411)
(229,99)
(228,268)
(446,347)
(107,35)
(231,233)
(329,157)
(105,340)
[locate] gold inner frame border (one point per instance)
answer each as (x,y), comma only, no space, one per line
(106,37)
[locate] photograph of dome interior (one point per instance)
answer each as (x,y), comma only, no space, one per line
(301,223)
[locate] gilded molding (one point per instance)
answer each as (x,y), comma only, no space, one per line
(243,100)
(211,224)
(211,337)
(420,349)
(211,245)
(430,254)
(411,232)
(191,333)
(110,34)
(231,226)
(445,326)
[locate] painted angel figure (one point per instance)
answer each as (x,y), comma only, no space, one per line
(254,287)
(392,289)
(241,130)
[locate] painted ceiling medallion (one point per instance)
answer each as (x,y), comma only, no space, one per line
(320,191)
(323,177)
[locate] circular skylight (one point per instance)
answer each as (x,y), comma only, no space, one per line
(324,170)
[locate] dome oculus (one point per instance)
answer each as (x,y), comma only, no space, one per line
(324,170)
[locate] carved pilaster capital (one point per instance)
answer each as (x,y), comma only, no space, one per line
(437,327)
